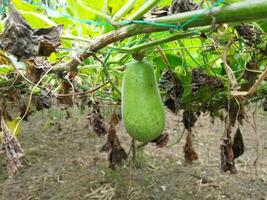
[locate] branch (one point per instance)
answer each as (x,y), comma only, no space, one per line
(241,11)
(107,74)
(96,12)
(227,68)
(231,13)
(83,93)
(123,11)
(252,90)
(103,41)
(144,9)
(156,42)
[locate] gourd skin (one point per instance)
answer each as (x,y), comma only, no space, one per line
(142,109)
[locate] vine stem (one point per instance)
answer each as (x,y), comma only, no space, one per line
(134,151)
(28,106)
(156,42)
(66,37)
(232,13)
(228,70)
(123,11)
(252,90)
(144,9)
(107,74)
(82,93)
(96,12)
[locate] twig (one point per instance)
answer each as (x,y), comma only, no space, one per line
(251,11)
(16,69)
(134,150)
(144,9)
(123,11)
(228,70)
(82,93)
(66,37)
(28,106)
(156,42)
(252,90)
(167,63)
(96,12)
(107,73)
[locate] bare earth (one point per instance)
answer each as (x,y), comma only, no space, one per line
(64,163)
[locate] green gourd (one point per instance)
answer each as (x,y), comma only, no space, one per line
(142,109)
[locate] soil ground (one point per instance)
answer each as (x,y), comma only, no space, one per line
(64,163)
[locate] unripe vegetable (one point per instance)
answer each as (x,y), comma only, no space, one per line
(142,109)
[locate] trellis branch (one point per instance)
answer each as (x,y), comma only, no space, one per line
(227,68)
(237,12)
(252,90)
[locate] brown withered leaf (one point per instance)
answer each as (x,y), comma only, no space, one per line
(250,33)
(24,42)
(174,90)
(106,147)
(236,111)
(10,148)
(227,155)
(162,140)
(35,67)
(157,12)
(43,101)
(66,88)
(117,154)
(189,152)
(189,119)
(116,157)
(13,95)
(200,79)
(99,125)
(22,110)
(95,119)
(249,75)
(114,119)
(238,145)
(264,104)
(180,6)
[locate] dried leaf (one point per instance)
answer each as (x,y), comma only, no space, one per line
(174,91)
(96,120)
(250,33)
(200,78)
(227,155)
(180,6)
(36,66)
(114,119)
(189,153)
(116,153)
(238,145)
(42,101)
(189,119)
(11,148)
(162,140)
(24,42)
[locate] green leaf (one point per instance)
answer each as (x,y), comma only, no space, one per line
(37,20)
(4,69)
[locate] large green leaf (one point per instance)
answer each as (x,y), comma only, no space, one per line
(37,20)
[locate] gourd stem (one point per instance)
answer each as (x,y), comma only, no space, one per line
(134,151)
(106,72)
(143,9)
(82,39)
(156,42)
(123,11)
(96,12)
(236,12)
